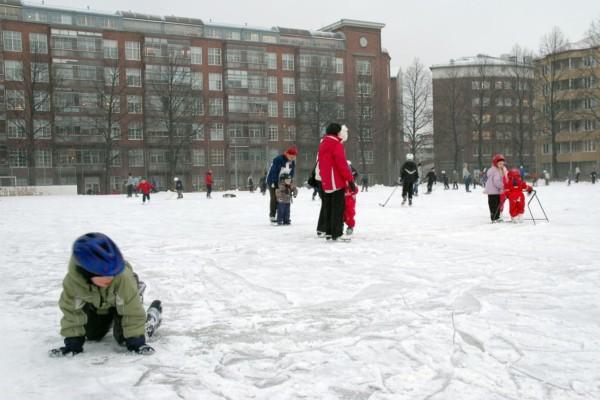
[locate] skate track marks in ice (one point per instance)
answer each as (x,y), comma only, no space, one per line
(429,302)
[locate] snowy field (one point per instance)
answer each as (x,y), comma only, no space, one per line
(429,302)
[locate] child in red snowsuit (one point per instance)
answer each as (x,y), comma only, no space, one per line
(513,190)
(145,187)
(350,203)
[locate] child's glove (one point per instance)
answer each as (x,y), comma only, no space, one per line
(138,345)
(73,346)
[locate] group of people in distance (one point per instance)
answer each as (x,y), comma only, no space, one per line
(135,184)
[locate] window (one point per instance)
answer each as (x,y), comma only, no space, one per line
(197,106)
(198,158)
(273,133)
(115,131)
(43,158)
(215,82)
(215,106)
(134,104)
(38,43)
(41,100)
(341,111)
(39,72)
(15,100)
(115,160)
(17,158)
(197,80)
(216,131)
(273,108)
(366,135)
(86,43)
(271,59)
(272,84)
(289,109)
(110,49)
(136,157)
(134,77)
(196,53)
(366,112)
(217,157)
(132,51)
(197,132)
(369,158)
(237,104)
(15,128)
(339,88)
(13,70)
(41,129)
(12,41)
(589,146)
(287,62)
(135,131)
(290,133)
(289,86)
(339,65)
(546,148)
(214,56)
(111,76)
(363,67)
(590,125)
(365,89)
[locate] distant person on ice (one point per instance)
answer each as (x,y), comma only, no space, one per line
(208,181)
(282,163)
(445,180)
(145,187)
(593,176)
(284,192)
(494,187)
(100,290)
(466,176)
(130,185)
(454,180)
(179,188)
(409,175)
(263,184)
(514,187)
(332,169)
(431,180)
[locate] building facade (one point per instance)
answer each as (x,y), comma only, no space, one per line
(87,97)
(568,107)
(482,106)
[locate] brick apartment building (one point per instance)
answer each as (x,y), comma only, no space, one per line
(88,97)
(567,99)
(481,106)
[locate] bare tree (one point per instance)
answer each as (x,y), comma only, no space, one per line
(550,73)
(108,116)
(170,108)
(417,106)
(29,106)
(522,88)
(484,92)
(452,102)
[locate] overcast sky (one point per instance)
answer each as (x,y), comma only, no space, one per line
(432,30)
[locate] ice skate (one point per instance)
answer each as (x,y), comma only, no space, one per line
(349,231)
(320,234)
(153,317)
(410,202)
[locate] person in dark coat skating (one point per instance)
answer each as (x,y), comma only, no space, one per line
(179,188)
(431,180)
(409,175)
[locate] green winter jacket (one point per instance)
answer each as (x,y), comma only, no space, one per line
(121,294)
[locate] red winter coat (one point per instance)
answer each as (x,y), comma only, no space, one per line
(513,189)
(208,179)
(350,207)
(333,166)
(145,187)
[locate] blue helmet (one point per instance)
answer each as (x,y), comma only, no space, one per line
(98,254)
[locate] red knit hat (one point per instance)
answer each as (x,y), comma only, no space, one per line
(497,158)
(292,151)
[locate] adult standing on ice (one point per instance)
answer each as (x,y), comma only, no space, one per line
(494,186)
(409,174)
(332,168)
(283,163)
(208,180)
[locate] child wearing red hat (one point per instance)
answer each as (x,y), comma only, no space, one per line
(514,187)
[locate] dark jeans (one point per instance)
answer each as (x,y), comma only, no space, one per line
(145,196)
(180,194)
(429,186)
(494,205)
(129,190)
(467,184)
(273,202)
(415,188)
(365,187)
(407,189)
(98,325)
(208,190)
(283,213)
(331,217)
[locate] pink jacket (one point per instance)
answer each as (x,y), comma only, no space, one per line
(333,166)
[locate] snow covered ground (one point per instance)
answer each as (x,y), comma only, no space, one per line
(430,302)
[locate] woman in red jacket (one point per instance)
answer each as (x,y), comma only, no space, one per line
(208,180)
(335,176)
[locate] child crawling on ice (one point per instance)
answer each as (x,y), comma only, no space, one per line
(100,290)
(513,190)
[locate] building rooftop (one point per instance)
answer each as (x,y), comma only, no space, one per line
(354,23)
(482,59)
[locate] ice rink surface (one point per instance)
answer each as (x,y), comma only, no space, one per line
(429,302)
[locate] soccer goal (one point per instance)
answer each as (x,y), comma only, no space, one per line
(10,181)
